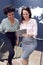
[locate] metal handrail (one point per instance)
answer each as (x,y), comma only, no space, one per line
(1,45)
(39,39)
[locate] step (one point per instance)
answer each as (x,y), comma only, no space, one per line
(2,63)
(34,58)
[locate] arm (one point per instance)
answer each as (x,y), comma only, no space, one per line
(27,35)
(35,28)
(32,32)
(2,26)
(17,40)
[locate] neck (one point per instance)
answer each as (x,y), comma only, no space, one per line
(27,20)
(12,21)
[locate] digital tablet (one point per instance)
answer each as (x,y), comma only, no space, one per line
(20,32)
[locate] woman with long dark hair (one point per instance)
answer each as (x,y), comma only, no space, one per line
(29,43)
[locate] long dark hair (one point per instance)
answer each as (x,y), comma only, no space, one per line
(27,9)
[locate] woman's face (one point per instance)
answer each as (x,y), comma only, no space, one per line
(10,15)
(25,14)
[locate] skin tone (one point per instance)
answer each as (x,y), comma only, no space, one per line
(11,17)
(26,17)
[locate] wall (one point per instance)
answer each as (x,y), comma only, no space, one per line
(37,8)
(2,4)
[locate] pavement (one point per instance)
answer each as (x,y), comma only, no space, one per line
(36,58)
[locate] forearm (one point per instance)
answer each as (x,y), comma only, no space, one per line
(17,40)
(27,35)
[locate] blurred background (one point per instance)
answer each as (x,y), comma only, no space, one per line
(36,7)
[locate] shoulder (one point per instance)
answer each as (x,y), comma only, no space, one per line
(16,20)
(33,20)
(4,20)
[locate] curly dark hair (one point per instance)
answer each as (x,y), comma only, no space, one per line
(27,9)
(9,8)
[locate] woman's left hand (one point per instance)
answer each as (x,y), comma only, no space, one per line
(25,35)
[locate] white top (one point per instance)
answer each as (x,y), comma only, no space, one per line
(7,27)
(31,27)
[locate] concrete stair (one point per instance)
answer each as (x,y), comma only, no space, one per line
(36,58)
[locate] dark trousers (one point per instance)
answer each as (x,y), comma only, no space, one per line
(10,40)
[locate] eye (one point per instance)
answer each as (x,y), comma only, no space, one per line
(10,14)
(25,14)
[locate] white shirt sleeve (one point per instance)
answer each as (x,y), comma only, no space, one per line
(31,27)
(35,28)
(1,26)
